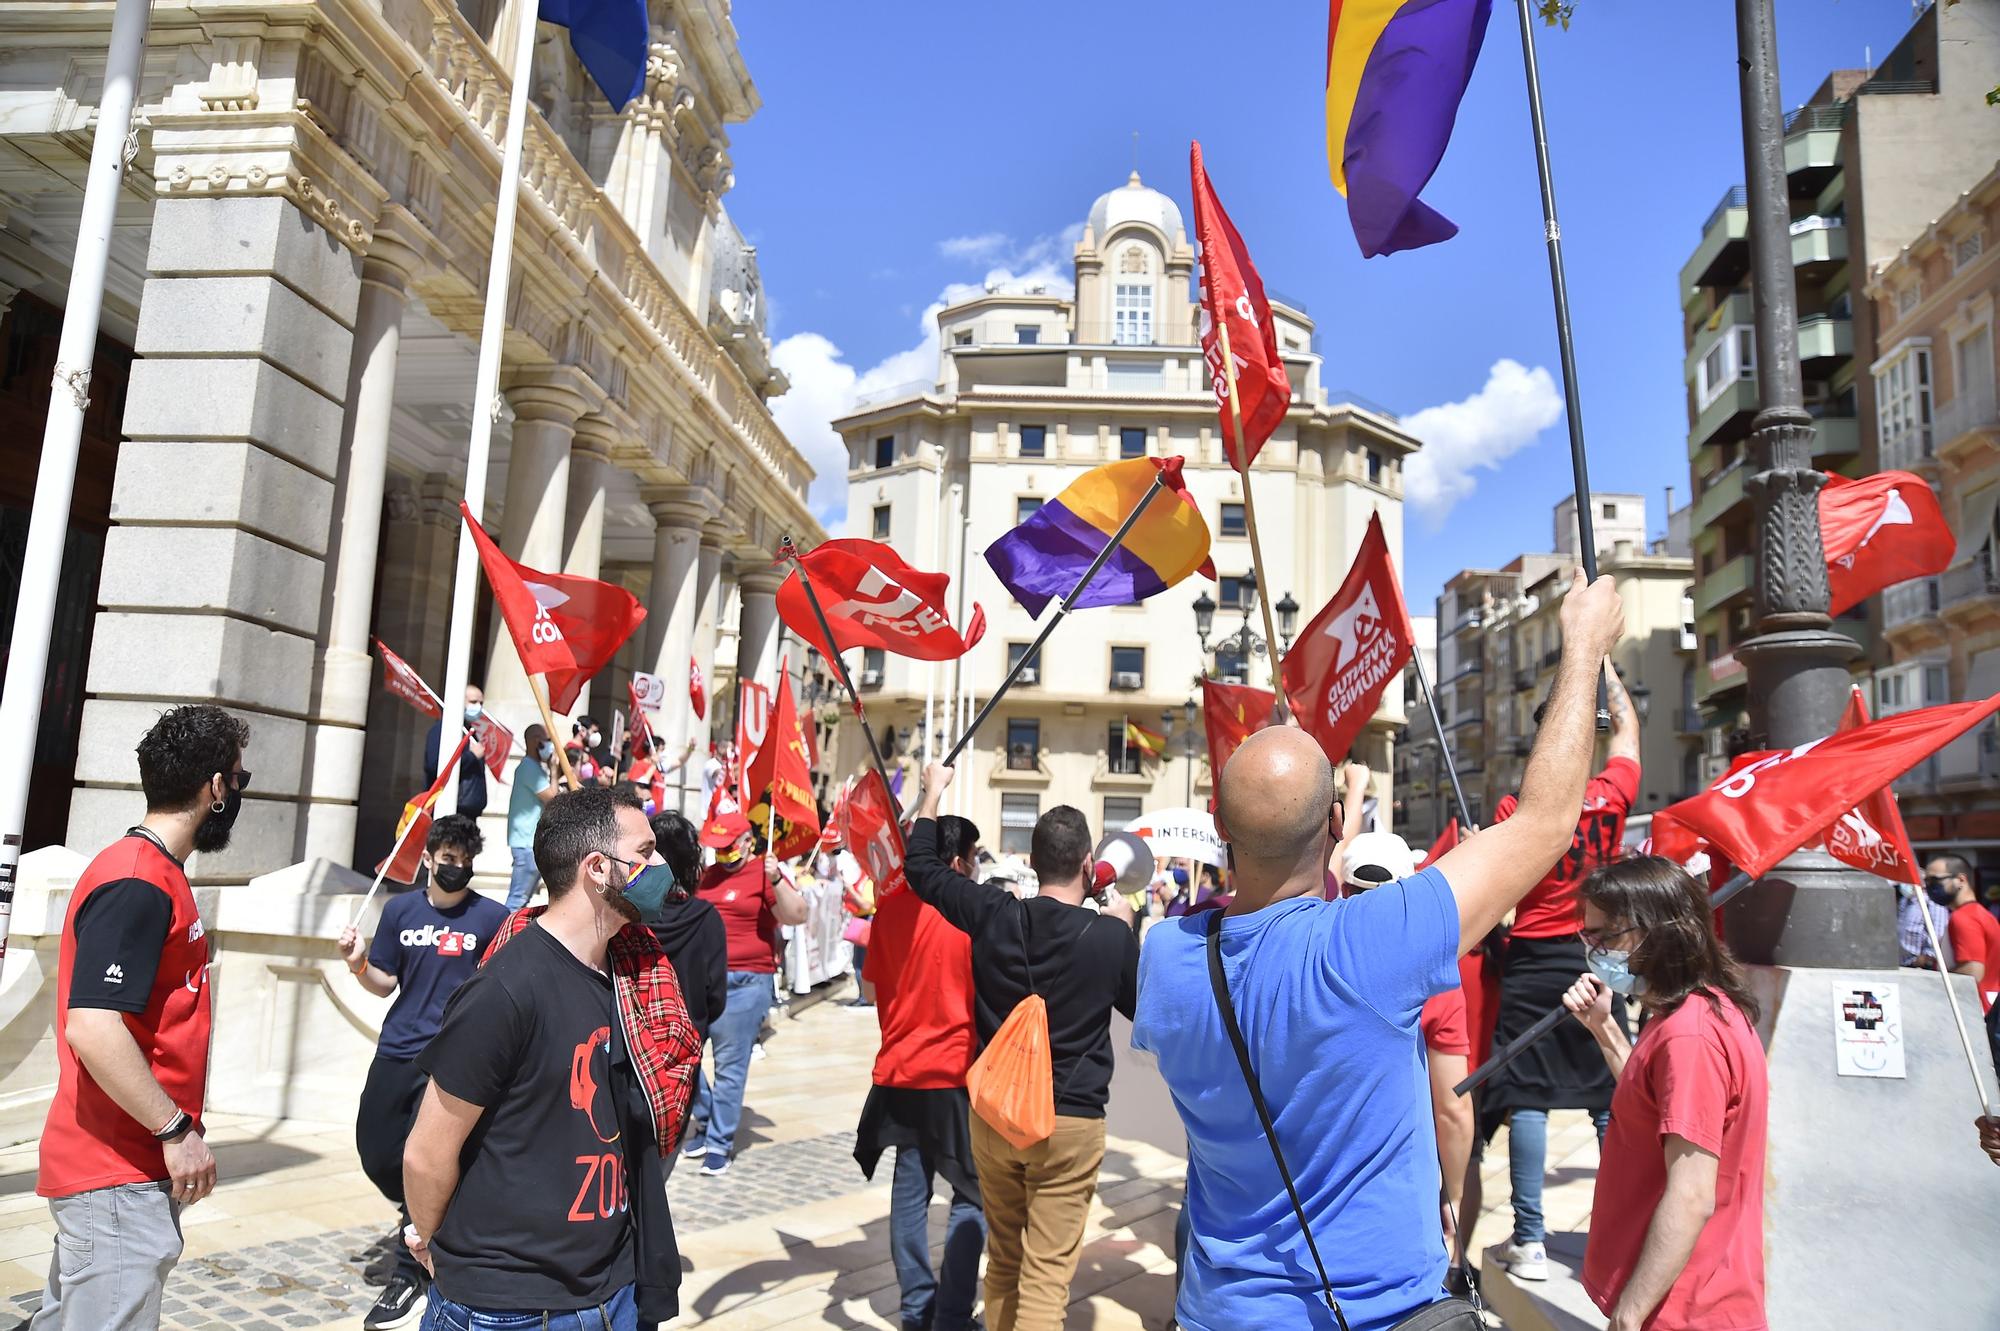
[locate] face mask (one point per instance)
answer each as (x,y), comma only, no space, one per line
(1615,969)
(213,834)
(452,877)
(1905,892)
(472,711)
(546,751)
(1180,877)
(1939,890)
(646,891)
(595,739)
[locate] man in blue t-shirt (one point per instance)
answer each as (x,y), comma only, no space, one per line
(426,945)
(1328,995)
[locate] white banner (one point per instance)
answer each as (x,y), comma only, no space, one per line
(652,690)
(1181,834)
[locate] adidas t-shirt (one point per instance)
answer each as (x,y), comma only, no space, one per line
(430,952)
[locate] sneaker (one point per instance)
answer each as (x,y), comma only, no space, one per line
(383,1264)
(1526,1261)
(400,1305)
(716,1165)
(695,1143)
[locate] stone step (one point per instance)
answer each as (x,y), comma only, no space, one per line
(1555,1304)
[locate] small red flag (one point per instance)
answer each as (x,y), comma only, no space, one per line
(400,679)
(1446,840)
(1355,646)
(1768,808)
(1232,713)
(1879,530)
(868,825)
(753,728)
(697,690)
(566,628)
(1871,836)
(791,780)
(873,598)
(495,742)
(402,866)
(1232,292)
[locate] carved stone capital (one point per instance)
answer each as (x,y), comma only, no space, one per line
(557,393)
(681,507)
(596,436)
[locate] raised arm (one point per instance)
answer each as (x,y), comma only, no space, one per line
(1489,873)
(1624,716)
(966,904)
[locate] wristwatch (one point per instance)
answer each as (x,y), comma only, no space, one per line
(177,1127)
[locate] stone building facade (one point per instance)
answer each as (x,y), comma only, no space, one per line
(1033,387)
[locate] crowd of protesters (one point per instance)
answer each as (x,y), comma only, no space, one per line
(1309,1005)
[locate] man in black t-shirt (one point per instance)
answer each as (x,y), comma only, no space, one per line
(1037,1198)
(526,1173)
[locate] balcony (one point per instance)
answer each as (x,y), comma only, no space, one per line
(1722,494)
(1738,311)
(1812,146)
(1473,667)
(1729,581)
(1919,780)
(1524,679)
(1835,437)
(1817,240)
(1825,337)
(1470,621)
(1723,256)
(1910,609)
(1971,595)
(1719,676)
(1733,406)
(1687,721)
(1967,423)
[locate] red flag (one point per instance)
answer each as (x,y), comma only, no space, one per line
(1881,529)
(868,825)
(753,727)
(408,858)
(1445,841)
(1232,292)
(697,691)
(1767,809)
(400,679)
(1355,646)
(791,780)
(1871,836)
(565,627)
(1231,713)
(873,598)
(495,742)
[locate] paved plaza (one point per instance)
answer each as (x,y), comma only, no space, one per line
(791,1238)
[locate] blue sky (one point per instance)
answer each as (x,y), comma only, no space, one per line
(904,149)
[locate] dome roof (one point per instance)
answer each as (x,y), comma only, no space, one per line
(1134,202)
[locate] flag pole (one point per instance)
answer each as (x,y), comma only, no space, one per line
(536,684)
(789,553)
(1565,339)
(486,386)
(1957,1018)
(382,869)
(1241,459)
(1034,649)
(62,436)
(1437,726)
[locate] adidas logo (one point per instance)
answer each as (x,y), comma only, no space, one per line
(448,942)
(114,974)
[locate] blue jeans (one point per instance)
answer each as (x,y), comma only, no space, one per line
(620,1314)
(1527,1162)
(732,1035)
(943,1303)
(521,885)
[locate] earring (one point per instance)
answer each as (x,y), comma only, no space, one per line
(217,807)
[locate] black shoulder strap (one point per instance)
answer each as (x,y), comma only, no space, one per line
(1221,988)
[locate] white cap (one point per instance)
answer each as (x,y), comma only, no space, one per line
(1375,858)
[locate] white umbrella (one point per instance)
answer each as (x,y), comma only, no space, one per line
(1186,834)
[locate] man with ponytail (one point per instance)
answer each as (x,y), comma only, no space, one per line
(1677,1229)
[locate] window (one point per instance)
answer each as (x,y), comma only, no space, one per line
(1131,442)
(1122,810)
(1908,297)
(873,661)
(1132,314)
(1229,592)
(1229,664)
(1128,667)
(1025,509)
(1967,249)
(1374,467)
(1232,520)
(1732,358)
(961,337)
(1033,674)
(1687,620)
(1122,756)
(1027,335)
(1018,816)
(1024,744)
(885,451)
(1034,441)
(881,522)
(1610,512)
(1903,407)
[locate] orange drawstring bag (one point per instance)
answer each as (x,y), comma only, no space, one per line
(1012,1085)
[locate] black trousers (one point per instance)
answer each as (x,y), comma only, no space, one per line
(389,1102)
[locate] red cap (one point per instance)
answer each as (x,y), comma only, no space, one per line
(721,831)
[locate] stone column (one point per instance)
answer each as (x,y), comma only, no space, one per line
(708,613)
(757,626)
(546,405)
(583,517)
(681,511)
(224,495)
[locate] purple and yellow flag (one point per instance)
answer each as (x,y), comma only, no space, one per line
(1045,556)
(1395,73)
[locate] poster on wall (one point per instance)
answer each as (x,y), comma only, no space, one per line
(1868,1031)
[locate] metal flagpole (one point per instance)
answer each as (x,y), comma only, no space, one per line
(1951,1001)
(1565,340)
(790,554)
(1437,726)
(1034,649)
(62,435)
(486,389)
(1250,526)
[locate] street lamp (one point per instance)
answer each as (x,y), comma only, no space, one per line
(1246,641)
(1288,619)
(1204,617)
(1187,742)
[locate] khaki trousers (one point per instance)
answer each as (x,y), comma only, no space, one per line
(1036,1201)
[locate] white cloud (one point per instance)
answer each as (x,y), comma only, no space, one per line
(1507,414)
(977,249)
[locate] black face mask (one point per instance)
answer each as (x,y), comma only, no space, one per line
(452,877)
(1940,890)
(213,834)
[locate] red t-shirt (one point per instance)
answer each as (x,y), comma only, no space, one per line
(1699,1075)
(921,968)
(1443,1023)
(1550,909)
(1975,936)
(743,899)
(1479,987)
(161,988)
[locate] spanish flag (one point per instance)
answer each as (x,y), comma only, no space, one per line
(1149,742)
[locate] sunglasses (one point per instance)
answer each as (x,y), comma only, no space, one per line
(239,780)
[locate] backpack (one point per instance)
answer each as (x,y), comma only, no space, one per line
(1012,1083)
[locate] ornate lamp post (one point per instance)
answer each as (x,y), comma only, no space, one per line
(1246,641)
(1187,743)
(1813,912)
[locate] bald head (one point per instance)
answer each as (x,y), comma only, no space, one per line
(1277,794)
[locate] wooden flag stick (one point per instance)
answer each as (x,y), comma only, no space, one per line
(1241,458)
(1951,1001)
(535,686)
(789,553)
(382,869)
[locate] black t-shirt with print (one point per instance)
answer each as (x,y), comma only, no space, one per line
(541,1217)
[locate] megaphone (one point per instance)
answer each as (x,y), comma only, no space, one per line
(1129,859)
